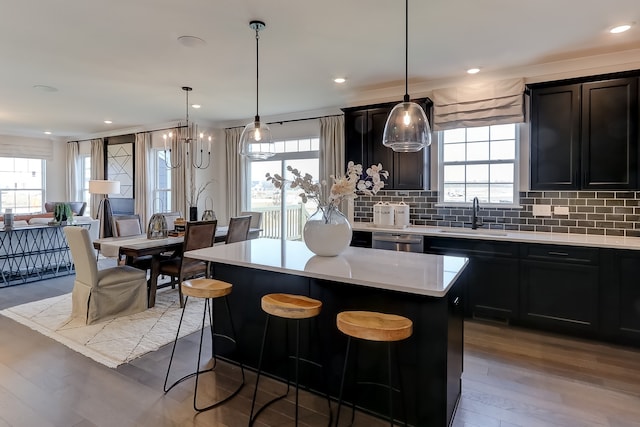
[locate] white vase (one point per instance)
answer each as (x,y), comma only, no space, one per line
(327,232)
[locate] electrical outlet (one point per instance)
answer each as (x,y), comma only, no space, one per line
(541,210)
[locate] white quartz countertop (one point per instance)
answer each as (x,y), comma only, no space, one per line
(511,236)
(416,273)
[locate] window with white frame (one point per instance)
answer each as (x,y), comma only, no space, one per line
(260,195)
(479,162)
(22,184)
(161,181)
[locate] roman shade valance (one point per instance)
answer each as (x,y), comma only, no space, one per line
(29,148)
(483,104)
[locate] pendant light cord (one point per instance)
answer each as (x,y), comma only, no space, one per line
(257,71)
(406,51)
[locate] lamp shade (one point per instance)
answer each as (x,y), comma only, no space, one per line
(407,128)
(103,186)
(256,142)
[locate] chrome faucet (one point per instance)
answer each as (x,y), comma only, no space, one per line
(475,221)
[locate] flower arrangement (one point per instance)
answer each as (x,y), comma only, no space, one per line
(343,187)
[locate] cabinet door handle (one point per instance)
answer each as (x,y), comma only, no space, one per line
(558,253)
(456,301)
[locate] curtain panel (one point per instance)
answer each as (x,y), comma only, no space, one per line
(332,161)
(73,171)
(484,104)
(179,174)
(142,184)
(234,172)
(97,171)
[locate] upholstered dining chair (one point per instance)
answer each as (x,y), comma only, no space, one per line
(238,229)
(256,222)
(100,295)
(197,235)
(126,226)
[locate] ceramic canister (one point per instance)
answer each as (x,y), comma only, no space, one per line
(383,214)
(401,214)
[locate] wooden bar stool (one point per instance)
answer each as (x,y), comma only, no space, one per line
(293,307)
(209,289)
(373,326)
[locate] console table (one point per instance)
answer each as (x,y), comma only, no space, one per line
(32,253)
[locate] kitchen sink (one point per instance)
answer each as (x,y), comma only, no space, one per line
(478,232)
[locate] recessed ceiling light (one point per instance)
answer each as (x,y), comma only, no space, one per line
(47,132)
(45,88)
(108,122)
(196,106)
(620,29)
(473,70)
(339,80)
(191,41)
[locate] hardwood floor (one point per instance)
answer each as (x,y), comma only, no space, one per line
(512,377)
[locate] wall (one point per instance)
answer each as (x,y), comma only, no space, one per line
(611,213)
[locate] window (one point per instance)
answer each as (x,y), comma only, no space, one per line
(479,162)
(21,184)
(85,171)
(262,196)
(161,181)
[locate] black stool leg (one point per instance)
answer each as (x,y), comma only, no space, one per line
(389,365)
(173,350)
(297,365)
(344,372)
(204,316)
(233,331)
(255,390)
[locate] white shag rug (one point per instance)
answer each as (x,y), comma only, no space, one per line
(116,341)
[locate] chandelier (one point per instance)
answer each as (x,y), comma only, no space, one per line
(193,143)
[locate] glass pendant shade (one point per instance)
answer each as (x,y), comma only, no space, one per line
(256,142)
(407,128)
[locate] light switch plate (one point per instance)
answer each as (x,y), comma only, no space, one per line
(561,210)
(541,210)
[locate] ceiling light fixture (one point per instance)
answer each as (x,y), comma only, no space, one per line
(45,88)
(339,80)
(407,128)
(47,132)
(191,41)
(473,70)
(620,29)
(108,122)
(255,140)
(197,160)
(196,106)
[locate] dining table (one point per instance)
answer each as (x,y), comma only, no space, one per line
(132,247)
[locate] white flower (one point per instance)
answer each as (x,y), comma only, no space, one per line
(343,187)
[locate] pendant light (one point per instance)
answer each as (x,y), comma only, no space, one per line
(256,142)
(407,128)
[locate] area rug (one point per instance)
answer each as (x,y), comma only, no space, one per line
(116,341)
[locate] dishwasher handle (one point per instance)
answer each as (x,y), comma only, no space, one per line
(398,238)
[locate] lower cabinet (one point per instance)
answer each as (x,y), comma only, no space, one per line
(559,288)
(621,296)
(491,277)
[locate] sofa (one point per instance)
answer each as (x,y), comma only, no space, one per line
(77,208)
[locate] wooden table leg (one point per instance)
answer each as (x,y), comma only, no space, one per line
(153,281)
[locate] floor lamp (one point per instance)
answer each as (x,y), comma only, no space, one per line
(104,187)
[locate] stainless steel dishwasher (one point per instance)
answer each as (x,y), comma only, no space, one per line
(397,241)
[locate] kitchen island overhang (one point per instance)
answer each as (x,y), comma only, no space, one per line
(422,287)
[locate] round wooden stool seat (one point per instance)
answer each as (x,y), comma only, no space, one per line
(205,288)
(291,306)
(374,326)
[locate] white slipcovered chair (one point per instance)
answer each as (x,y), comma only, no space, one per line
(100,295)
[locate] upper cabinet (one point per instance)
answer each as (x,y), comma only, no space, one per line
(364,127)
(585,135)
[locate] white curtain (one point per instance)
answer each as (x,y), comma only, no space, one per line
(97,171)
(178,175)
(143,190)
(73,172)
(332,161)
(483,104)
(234,172)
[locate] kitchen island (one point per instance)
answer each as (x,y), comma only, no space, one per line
(421,287)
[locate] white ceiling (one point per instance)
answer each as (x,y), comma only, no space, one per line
(120,59)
